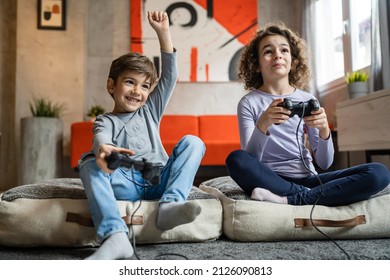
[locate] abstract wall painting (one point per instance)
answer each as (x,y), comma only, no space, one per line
(209,35)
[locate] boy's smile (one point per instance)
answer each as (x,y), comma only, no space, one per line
(130,91)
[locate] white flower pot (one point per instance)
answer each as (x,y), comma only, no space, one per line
(41,149)
(357,89)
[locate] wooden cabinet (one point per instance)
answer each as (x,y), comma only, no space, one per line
(363,124)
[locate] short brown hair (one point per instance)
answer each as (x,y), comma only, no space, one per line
(133,61)
(248,71)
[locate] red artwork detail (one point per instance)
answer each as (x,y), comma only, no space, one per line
(235,16)
(207,72)
(136,26)
(235,22)
(56,9)
(194,64)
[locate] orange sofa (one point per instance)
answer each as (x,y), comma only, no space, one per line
(218,132)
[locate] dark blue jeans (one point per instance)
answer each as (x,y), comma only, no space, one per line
(340,187)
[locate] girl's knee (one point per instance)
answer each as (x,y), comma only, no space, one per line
(236,163)
(232,157)
(235,157)
(380,175)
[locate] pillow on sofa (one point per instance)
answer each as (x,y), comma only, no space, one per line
(249,220)
(56,213)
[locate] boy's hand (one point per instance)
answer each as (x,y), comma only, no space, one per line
(106,150)
(158,20)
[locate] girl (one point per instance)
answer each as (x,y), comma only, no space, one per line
(274,164)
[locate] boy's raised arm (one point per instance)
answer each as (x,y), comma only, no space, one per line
(159,21)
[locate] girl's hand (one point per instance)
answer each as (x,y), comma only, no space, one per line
(158,20)
(106,150)
(273,115)
(318,119)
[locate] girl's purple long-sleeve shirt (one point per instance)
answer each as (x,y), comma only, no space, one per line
(279,149)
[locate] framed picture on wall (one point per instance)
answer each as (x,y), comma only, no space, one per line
(52,14)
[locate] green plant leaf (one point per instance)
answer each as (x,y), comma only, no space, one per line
(96,110)
(45,108)
(357,76)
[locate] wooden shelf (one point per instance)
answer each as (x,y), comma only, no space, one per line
(364,123)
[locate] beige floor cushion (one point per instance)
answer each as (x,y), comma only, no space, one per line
(56,213)
(250,220)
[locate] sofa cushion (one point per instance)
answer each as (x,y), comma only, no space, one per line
(56,213)
(80,141)
(249,220)
(174,127)
(220,135)
(218,132)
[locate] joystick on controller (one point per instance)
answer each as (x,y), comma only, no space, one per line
(300,108)
(150,171)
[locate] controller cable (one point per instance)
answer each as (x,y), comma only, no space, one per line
(130,226)
(321,186)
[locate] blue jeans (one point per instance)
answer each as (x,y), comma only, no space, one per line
(340,187)
(103,190)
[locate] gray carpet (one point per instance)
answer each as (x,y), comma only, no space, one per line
(224,249)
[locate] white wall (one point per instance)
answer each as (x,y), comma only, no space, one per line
(205,98)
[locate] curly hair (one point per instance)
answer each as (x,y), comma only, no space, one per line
(248,71)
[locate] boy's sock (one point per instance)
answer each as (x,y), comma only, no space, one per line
(172,214)
(115,247)
(265,195)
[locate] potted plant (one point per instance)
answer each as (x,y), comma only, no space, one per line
(41,142)
(45,108)
(95,111)
(357,83)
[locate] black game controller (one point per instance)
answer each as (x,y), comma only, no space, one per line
(150,171)
(296,107)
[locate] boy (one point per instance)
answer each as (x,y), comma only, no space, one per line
(133,129)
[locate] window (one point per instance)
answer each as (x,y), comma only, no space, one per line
(342,38)
(360,33)
(329,44)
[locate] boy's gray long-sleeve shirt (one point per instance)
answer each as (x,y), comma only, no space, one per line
(139,130)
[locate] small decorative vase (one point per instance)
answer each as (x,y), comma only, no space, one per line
(357,89)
